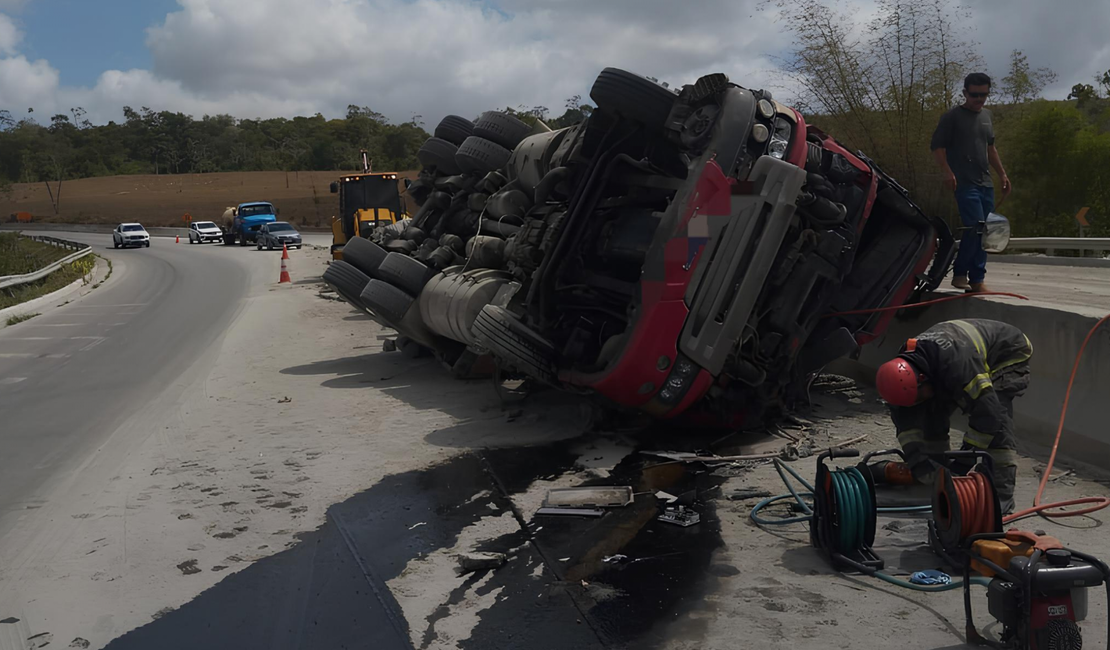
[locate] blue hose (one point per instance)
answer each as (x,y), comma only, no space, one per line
(783,469)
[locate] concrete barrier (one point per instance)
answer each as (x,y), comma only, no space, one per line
(1056,335)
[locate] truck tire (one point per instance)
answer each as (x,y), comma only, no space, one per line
(364,255)
(501,128)
(513,344)
(347,281)
(633,97)
(404,272)
(402,246)
(454,129)
(386,300)
(481,156)
(439,154)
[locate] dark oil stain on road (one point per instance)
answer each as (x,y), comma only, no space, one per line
(329,588)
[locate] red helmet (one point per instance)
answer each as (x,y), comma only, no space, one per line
(897,381)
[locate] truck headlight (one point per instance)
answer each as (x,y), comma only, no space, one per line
(780,139)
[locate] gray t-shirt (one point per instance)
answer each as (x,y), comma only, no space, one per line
(965,136)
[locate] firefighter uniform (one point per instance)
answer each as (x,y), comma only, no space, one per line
(979,366)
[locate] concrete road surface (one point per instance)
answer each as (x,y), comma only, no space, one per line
(73,375)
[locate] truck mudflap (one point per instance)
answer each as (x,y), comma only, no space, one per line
(736,262)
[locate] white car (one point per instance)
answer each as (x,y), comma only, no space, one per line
(130,234)
(203,231)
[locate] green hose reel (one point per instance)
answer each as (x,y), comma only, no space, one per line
(844,508)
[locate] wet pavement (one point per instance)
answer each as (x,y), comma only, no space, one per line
(330,588)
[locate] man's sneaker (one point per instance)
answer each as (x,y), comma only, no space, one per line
(960,282)
(978,287)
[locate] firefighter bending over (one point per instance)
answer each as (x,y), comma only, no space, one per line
(977,365)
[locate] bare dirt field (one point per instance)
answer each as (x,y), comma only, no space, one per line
(162,200)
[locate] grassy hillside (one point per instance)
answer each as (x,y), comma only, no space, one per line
(162,200)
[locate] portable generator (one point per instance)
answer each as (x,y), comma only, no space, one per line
(1038,590)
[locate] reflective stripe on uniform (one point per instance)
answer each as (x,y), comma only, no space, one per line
(978,384)
(1020,357)
(978,439)
(1003,457)
(911,437)
(976,338)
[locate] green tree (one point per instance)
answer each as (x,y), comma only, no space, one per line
(1022,83)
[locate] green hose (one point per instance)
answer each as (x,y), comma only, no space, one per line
(852,502)
(783,469)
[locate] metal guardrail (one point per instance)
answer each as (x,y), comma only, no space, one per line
(1051,244)
(81,251)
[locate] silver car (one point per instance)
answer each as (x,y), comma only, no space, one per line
(277,234)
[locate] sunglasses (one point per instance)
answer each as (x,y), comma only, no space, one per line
(976,95)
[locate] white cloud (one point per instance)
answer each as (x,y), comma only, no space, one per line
(263,58)
(10,36)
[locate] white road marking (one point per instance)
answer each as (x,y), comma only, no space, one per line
(25,355)
(7,381)
(93,344)
(61,324)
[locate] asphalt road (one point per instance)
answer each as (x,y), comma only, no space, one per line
(70,377)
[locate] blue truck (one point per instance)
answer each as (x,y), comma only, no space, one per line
(242,222)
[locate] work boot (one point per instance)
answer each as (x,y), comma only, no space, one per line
(960,282)
(978,287)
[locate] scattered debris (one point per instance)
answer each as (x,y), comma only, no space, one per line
(285,400)
(616,496)
(564,559)
(687,457)
(79,643)
(665,497)
(570,512)
(188,567)
(479,561)
(680,516)
(41,640)
(9,620)
(160,613)
(742,494)
(389,345)
(612,559)
(417,524)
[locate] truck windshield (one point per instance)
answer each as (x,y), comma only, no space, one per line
(255,210)
(275,227)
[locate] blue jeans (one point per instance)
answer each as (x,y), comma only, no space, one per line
(975,203)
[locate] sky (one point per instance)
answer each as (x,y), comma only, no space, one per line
(268,58)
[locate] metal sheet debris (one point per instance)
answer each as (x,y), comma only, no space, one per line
(615,496)
(571,512)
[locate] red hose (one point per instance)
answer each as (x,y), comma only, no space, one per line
(1038,507)
(879,310)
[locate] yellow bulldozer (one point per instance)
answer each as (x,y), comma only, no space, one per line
(366,200)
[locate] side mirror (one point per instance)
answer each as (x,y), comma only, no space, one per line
(334,187)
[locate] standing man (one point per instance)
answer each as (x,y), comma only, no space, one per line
(977,365)
(963,145)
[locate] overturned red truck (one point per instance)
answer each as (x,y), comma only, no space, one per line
(677,253)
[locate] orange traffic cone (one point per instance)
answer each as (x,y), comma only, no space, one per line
(178,240)
(284,271)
